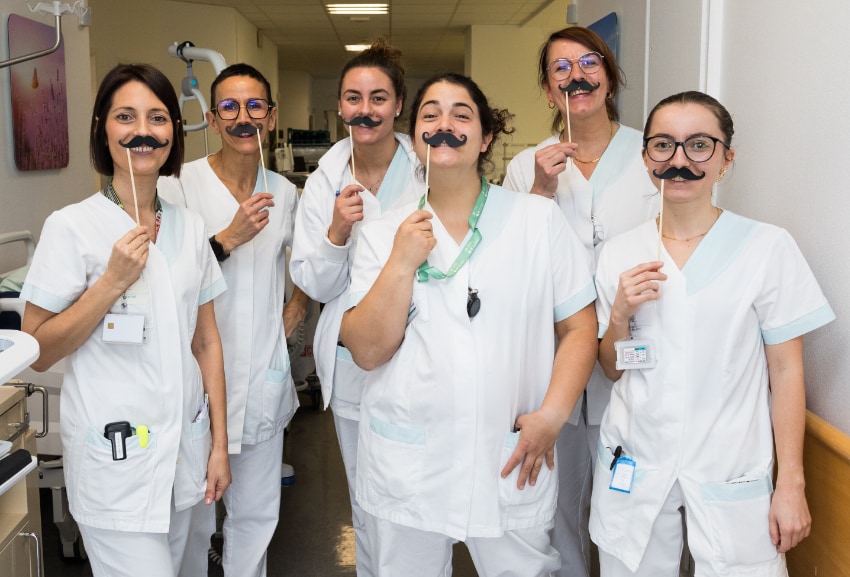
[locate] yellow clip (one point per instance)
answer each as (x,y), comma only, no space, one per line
(143,432)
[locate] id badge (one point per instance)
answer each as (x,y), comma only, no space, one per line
(126,329)
(635,353)
(138,293)
(623,475)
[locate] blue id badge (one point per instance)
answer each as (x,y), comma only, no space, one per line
(623,474)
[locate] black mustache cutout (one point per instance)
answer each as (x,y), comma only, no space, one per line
(138,141)
(579,85)
(243,129)
(363,121)
(444,137)
(673,172)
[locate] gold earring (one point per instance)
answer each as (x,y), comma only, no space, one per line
(721,175)
(551,105)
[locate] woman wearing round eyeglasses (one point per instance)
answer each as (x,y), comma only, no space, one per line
(251,226)
(596,176)
(705,346)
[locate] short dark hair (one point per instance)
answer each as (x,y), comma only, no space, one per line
(240,69)
(384,57)
(696,97)
(493,120)
(589,38)
(158,84)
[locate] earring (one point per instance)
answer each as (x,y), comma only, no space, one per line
(551,105)
(397,113)
(721,175)
(339,112)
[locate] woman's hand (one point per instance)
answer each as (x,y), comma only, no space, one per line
(348,209)
(128,258)
(413,242)
(251,217)
(218,475)
(637,286)
(538,432)
(789,517)
(549,162)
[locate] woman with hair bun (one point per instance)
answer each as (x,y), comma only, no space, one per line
(357,179)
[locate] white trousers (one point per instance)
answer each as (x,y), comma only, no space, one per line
(347,433)
(664,550)
(400,550)
(132,553)
(571,535)
(199,527)
(253,506)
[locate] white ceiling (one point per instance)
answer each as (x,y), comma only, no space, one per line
(430,33)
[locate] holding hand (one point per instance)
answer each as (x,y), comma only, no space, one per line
(413,241)
(348,209)
(128,258)
(637,286)
(549,162)
(251,217)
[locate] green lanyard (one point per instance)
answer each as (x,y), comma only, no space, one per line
(427,271)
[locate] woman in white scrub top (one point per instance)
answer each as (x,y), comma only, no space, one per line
(455,299)
(723,314)
(595,173)
(121,285)
(359,178)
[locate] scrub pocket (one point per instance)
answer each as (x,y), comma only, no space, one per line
(397,455)
(418,311)
(201,446)
(276,393)
(115,488)
(348,378)
(531,499)
(737,513)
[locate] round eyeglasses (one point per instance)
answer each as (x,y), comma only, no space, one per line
(257,108)
(561,68)
(697,148)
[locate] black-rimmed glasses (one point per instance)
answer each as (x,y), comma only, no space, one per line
(257,108)
(560,69)
(697,148)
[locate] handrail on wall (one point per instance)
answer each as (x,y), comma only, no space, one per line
(57,9)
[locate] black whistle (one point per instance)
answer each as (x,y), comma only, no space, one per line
(117,434)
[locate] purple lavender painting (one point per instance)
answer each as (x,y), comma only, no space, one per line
(39,103)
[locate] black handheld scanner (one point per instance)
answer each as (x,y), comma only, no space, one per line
(117,434)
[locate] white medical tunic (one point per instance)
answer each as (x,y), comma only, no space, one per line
(702,415)
(618,196)
(321,269)
(261,397)
(157,383)
(437,420)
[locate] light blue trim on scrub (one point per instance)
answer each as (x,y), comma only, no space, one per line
(801,326)
(602,330)
(736,491)
(170,232)
(575,303)
(395,180)
(616,159)
(717,251)
(354,299)
(344,354)
(396,433)
(212,291)
(42,298)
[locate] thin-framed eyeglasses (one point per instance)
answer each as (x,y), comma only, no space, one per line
(257,108)
(697,148)
(560,68)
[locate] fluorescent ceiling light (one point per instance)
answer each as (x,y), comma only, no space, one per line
(350,9)
(357,47)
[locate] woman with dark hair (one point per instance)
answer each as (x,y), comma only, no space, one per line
(456,303)
(708,362)
(360,177)
(592,167)
(122,285)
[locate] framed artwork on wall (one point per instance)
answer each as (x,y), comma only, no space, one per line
(39,97)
